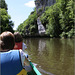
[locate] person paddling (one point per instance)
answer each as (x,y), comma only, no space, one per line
(13,62)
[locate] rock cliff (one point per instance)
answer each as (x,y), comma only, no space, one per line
(40,8)
(41,4)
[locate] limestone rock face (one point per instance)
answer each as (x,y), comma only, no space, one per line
(41,4)
(40,8)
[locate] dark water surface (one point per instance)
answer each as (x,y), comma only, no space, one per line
(52,56)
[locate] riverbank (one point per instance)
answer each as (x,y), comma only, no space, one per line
(36,36)
(43,36)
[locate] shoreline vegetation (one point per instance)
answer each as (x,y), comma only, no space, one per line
(45,36)
(58,20)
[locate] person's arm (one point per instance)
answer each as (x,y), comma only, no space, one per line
(24,46)
(25,62)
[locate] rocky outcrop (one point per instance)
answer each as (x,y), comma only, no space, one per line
(40,8)
(41,4)
(41,28)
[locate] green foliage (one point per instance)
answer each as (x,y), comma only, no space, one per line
(57,19)
(29,26)
(58,1)
(51,19)
(67,17)
(71,33)
(3,4)
(5,19)
(40,9)
(6,23)
(21,29)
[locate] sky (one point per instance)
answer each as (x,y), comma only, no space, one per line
(19,10)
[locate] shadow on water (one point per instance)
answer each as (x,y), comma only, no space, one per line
(52,56)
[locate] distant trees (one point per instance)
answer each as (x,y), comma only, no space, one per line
(3,4)
(29,26)
(5,20)
(50,18)
(67,18)
(57,19)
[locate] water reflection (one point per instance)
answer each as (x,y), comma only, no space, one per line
(53,56)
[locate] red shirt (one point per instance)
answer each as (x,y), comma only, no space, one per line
(18,45)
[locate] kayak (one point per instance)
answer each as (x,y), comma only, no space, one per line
(34,71)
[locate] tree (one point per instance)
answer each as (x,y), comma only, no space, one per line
(5,20)
(29,26)
(57,19)
(6,23)
(51,18)
(3,4)
(67,18)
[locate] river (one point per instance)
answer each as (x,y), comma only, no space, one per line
(51,56)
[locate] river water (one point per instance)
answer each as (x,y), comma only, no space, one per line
(51,56)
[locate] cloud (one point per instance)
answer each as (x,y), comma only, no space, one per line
(30,4)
